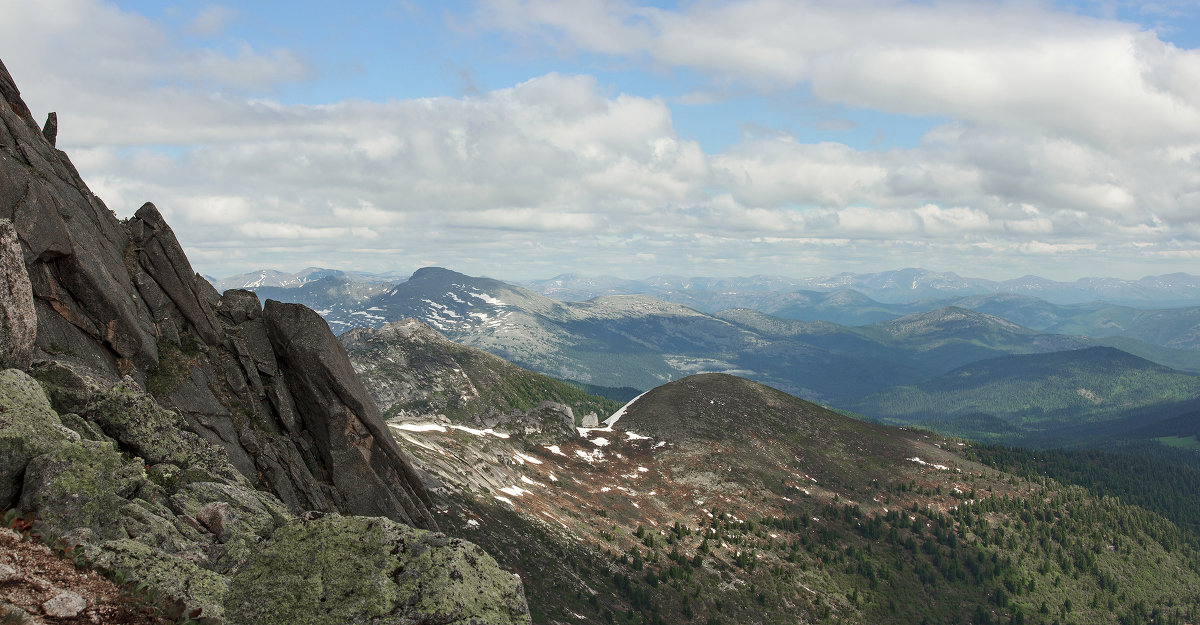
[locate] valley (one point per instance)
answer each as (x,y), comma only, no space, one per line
(877,370)
(714,499)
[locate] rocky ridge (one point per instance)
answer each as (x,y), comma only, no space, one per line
(190,438)
(121,298)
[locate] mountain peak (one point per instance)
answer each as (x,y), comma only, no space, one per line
(437,273)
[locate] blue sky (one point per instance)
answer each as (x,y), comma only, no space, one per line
(527,138)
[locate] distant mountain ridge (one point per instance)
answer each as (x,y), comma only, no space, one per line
(901,286)
(254,280)
(905,286)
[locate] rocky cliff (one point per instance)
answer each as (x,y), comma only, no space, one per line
(197,441)
(120,298)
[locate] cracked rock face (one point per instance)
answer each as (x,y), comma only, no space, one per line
(80,288)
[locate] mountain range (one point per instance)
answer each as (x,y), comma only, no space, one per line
(233,461)
(640,341)
(340,295)
(895,287)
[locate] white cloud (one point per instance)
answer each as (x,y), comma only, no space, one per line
(211,20)
(1011,64)
(1078,134)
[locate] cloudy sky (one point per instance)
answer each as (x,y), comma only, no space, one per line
(528,138)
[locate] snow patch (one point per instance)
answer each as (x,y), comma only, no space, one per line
(418,427)
(590,456)
(480,432)
(487,299)
(616,416)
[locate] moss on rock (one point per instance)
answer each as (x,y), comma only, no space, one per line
(129,415)
(29,427)
(174,576)
(81,485)
(337,569)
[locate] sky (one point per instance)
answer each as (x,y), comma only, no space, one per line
(523,139)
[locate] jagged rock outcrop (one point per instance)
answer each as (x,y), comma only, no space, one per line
(18,321)
(50,129)
(172,432)
(121,298)
(354,447)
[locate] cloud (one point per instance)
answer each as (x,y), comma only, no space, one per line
(560,171)
(1009,64)
(211,20)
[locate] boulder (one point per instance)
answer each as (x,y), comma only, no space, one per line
(81,486)
(155,434)
(351,442)
(334,570)
(18,319)
(65,604)
(29,427)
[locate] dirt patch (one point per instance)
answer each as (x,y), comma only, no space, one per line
(50,589)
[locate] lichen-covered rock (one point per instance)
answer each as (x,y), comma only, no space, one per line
(236,518)
(18,319)
(69,386)
(29,427)
(81,485)
(338,570)
(173,576)
(158,435)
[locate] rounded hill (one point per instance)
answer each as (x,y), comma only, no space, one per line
(755,429)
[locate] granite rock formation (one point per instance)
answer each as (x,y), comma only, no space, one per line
(190,439)
(121,299)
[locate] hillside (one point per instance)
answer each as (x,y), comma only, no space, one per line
(1177,328)
(1058,398)
(714,499)
(414,373)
